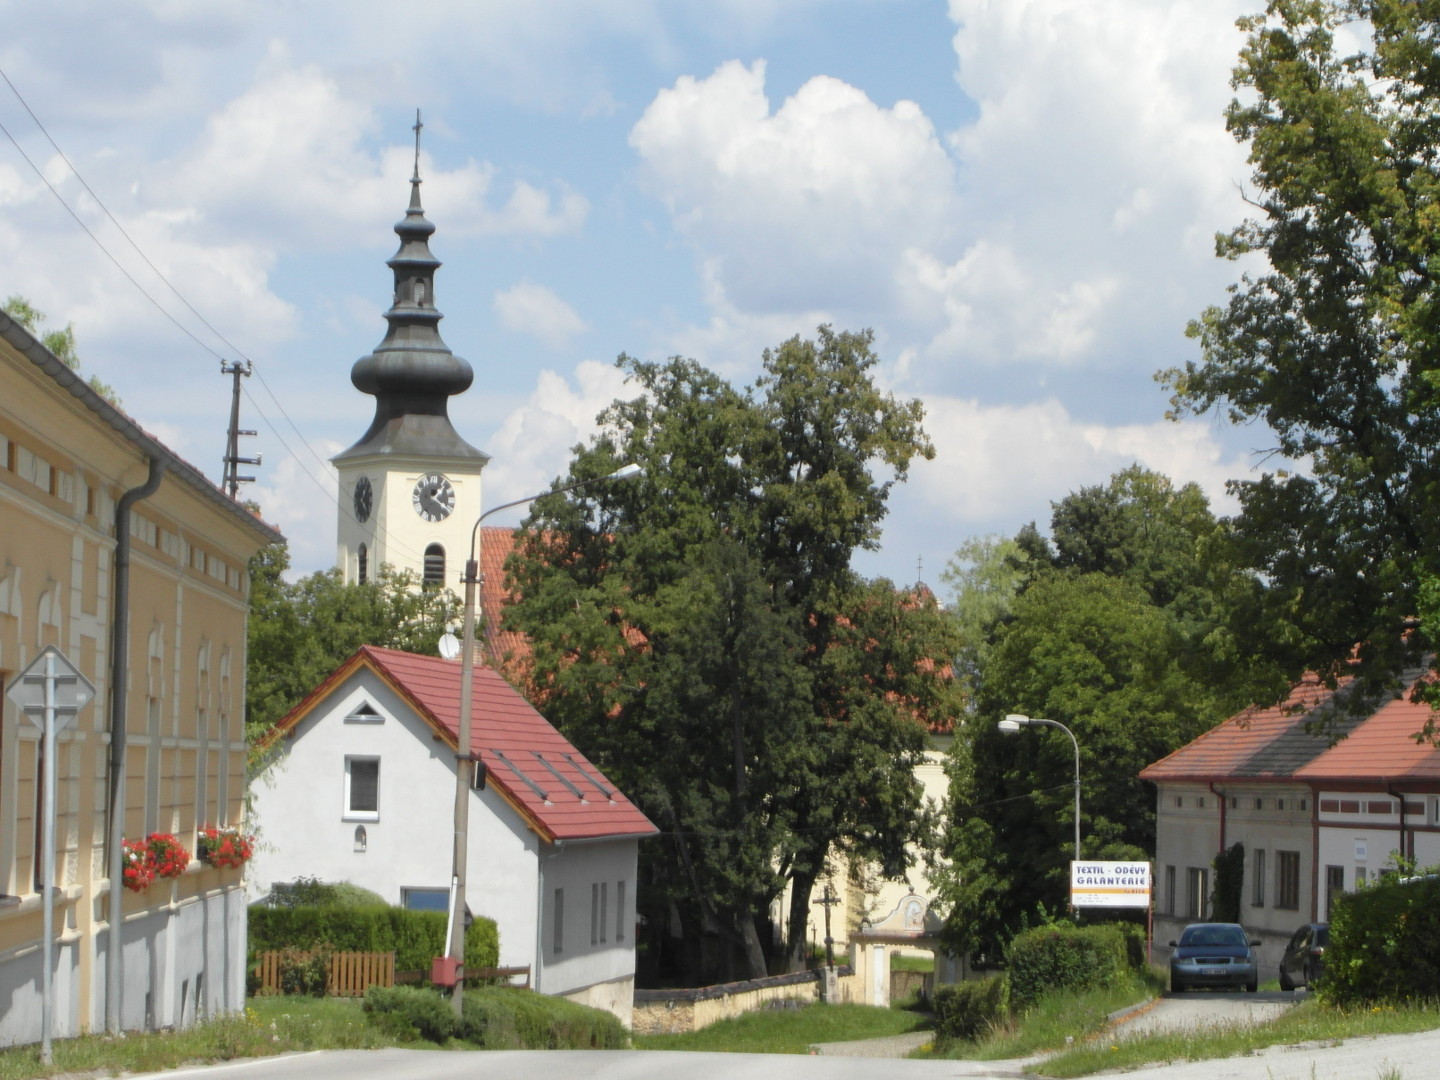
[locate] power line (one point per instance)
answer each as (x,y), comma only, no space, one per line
(235,350)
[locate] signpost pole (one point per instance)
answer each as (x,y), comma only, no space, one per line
(47,999)
(49,693)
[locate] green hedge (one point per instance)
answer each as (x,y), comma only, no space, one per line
(416,937)
(1064,958)
(496,1018)
(1383,944)
(971,1009)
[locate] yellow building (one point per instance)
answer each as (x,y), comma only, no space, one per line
(133,565)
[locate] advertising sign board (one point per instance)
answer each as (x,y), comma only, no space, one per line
(1110,884)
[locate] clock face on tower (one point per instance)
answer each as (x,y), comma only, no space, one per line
(433,497)
(364,499)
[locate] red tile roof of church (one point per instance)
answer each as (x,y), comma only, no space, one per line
(536,769)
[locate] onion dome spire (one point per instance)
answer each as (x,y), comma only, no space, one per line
(412,373)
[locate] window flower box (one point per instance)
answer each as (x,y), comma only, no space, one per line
(224,846)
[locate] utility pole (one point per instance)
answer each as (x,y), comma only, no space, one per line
(232,481)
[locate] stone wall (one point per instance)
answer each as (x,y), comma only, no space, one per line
(693,1008)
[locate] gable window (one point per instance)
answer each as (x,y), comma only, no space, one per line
(434,566)
(1257,875)
(362,788)
(1287,880)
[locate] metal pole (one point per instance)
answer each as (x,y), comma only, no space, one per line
(464,754)
(47,1004)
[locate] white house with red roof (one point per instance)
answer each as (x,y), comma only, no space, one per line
(361,788)
(1316,816)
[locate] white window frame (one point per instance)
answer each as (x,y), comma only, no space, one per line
(352,814)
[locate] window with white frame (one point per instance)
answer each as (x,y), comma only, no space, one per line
(558,922)
(362,788)
(620,911)
(1257,876)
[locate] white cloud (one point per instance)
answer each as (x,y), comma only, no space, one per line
(529,308)
(534,442)
(301,500)
(803,209)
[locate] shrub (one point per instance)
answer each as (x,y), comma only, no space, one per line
(416,937)
(1064,958)
(1382,944)
(1225,896)
(312,892)
(524,1020)
(971,1009)
(411,1012)
(305,971)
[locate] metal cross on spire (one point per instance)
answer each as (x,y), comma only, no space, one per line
(418,126)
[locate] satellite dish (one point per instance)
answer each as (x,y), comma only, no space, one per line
(449,646)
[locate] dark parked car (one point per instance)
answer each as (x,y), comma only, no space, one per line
(1304,959)
(1214,954)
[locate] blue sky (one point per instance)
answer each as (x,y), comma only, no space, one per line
(1018,196)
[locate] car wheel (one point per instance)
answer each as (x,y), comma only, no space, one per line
(1286,983)
(1309,974)
(1251,987)
(1176,987)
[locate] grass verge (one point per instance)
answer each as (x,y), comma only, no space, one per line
(277,1025)
(790,1031)
(1310,1021)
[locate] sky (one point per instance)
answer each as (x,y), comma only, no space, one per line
(1019,197)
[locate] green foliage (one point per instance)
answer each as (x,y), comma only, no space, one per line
(1094,653)
(971,1009)
(409,1013)
(704,622)
(1382,944)
(1331,339)
(789,1030)
(1051,958)
(312,892)
(523,1020)
(1228,890)
(298,633)
(305,971)
(416,937)
(61,343)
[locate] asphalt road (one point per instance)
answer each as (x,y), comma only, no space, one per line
(1391,1057)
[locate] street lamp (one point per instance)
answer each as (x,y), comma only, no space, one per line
(464,758)
(1015,721)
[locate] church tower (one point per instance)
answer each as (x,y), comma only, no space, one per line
(410,488)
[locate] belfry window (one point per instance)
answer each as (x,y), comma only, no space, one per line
(434,566)
(363,571)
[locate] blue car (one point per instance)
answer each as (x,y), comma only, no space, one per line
(1216,955)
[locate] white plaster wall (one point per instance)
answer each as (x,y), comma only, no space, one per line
(299,810)
(582,962)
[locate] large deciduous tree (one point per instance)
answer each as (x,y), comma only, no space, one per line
(1330,337)
(701,634)
(1117,626)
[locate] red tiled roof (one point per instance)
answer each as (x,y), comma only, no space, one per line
(507,647)
(551,784)
(1277,743)
(1247,743)
(1381,748)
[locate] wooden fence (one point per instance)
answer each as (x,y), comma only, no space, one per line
(348,973)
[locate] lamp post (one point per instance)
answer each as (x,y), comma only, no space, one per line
(1015,721)
(464,757)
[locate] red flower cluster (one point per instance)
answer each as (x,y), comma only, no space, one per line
(224,846)
(166,854)
(138,872)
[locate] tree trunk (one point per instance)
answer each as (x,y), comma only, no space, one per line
(796,943)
